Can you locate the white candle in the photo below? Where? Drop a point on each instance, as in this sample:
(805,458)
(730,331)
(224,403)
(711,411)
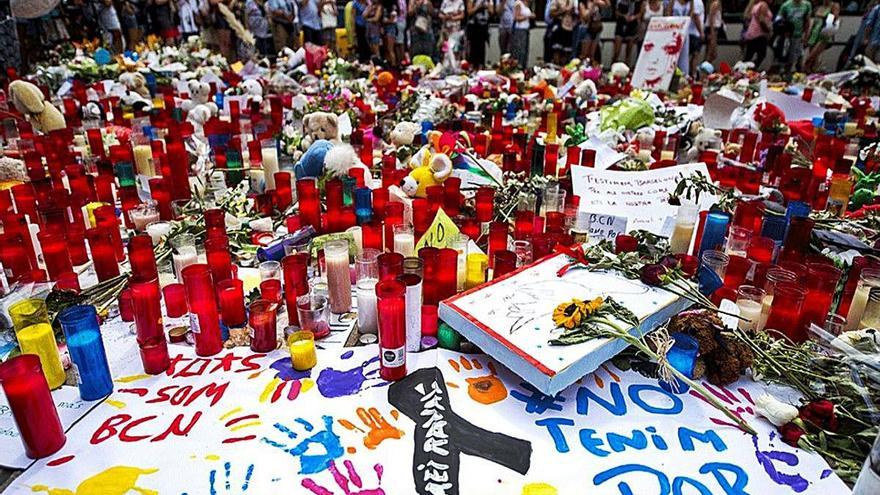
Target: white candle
(857,307)
(338,276)
(367,313)
(141,217)
(413,301)
(157,230)
(270,165)
(765,310)
(750,310)
(187,256)
(404,243)
(358,235)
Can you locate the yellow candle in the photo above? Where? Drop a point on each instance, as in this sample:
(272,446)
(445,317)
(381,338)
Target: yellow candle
(143,160)
(476,270)
(551,128)
(40,340)
(302,350)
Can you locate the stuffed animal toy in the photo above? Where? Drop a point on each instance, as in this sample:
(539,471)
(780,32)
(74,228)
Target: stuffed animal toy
(311,164)
(437,169)
(706,139)
(199,108)
(619,70)
(320,125)
(253,90)
(135,82)
(585,90)
(404,133)
(29,100)
(341,158)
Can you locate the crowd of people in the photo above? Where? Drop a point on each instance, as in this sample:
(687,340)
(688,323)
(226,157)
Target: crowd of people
(393,32)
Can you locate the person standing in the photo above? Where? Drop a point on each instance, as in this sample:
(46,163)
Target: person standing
(522,21)
(478,12)
(258,25)
(626,28)
(757,34)
(563,13)
(421,31)
(187,11)
(109,22)
(866,27)
(128,17)
(650,9)
(400,39)
(373,17)
(505,24)
(162,19)
(451,15)
(826,23)
(360,30)
(714,30)
(283,14)
(796,14)
(329,20)
(389,30)
(310,22)
(695,10)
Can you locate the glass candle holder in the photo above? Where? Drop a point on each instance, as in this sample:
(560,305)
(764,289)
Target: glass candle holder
(295,268)
(201,299)
(314,314)
(821,285)
(738,240)
(834,324)
(230,294)
(366,265)
(366,305)
(785,311)
(413,301)
(183,253)
(141,257)
(371,235)
(447,273)
(761,249)
(738,268)
(302,350)
(55,254)
(103,257)
(390,265)
(868,279)
(477,263)
(523,251)
(404,239)
(685,221)
(33,409)
(144,214)
(485,204)
(175,300)
(83,335)
(497,237)
(30,319)
(149,326)
(219,258)
(750,301)
(338,275)
(264,327)
(714,231)
(391,310)
(505,262)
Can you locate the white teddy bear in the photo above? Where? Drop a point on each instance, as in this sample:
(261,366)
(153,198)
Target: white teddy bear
(199,107)
(253,90)
(619,70)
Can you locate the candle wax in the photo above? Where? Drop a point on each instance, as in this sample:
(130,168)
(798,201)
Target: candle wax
(366,306)
(303,355)
(680,241)
(87,352)
(338,282)
(39,339)
(750,310)
(270,166)
(857,307)
(143,159)
(186,257)
(765,311)
(404,243)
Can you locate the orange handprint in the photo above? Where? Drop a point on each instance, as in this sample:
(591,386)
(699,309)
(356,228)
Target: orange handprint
(378,428)
(485,389)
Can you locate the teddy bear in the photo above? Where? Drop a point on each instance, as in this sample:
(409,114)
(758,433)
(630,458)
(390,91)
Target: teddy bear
(311,163)
(320,125)
(585,90)
(253,90)
(29,100)
(199,107)
(619,70)
(404,133)
(136,83)
(706,139)
(434,170)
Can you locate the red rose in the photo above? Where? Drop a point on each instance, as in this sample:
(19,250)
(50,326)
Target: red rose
(652,275)
(625,244)
(669,261)
(820,413)
(689,264)
(791,433)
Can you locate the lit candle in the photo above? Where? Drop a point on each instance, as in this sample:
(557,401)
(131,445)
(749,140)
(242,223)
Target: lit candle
(366,305)
(302,350)
(749,300)
(404,240)
(183,253)
(338,275)
(270,162)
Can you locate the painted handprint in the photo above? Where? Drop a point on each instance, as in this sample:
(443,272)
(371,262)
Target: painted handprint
(225,486)
(344,481)
(116,480)
(288,382)
(340,383)
(736,404)
(330,448)
(486,388)
(378,429)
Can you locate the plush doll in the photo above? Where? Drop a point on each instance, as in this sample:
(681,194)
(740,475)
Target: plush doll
(705,139)
(619,70)
(341,158)
(320,125)
(253,90)
(404,133)
(585,90)
(436,169)
(199,108)
(135,82)
(311,164)
(29,100)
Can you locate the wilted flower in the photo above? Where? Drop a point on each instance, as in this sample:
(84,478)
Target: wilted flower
(652,275)
(791,433)
(774,410)
(820,413)
(570,314)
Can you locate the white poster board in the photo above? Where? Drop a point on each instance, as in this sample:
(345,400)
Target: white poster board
(665,40)
(640,196)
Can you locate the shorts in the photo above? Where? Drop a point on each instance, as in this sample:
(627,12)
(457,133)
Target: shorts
(374,34)
(390,30)
(400,39)
(626,30)
(695,43)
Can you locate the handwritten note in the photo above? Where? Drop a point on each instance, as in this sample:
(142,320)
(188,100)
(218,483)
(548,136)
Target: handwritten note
(641,197)
(441,232)
(606,227)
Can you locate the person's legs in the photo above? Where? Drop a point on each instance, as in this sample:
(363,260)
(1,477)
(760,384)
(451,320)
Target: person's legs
(363,50)
(504,35)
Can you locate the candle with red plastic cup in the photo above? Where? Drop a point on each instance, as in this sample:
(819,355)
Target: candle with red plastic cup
(572,156)
(141,257)
(200,298)
(797,238)
(215,222)
(421,216)
(55,254)
(103,256)
(761,249)
(452,196)
(105,217)
(175,300)
(230,293)
(393,216)
(391,311)
(309,205)
(371,234)
(264,325)
(485,204)
(737,269)
(430,257)
(218,257)
(147,309)
(270,290)
(821,284)
(380,199)
(785,311)
(497,238)
(624,244)
(523,224)
(504,262)
(447,273)
(390,265)
(295,272)
(160,192)
(32,407)
(551,158)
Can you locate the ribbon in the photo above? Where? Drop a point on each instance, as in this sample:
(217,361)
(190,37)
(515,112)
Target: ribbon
(576,254)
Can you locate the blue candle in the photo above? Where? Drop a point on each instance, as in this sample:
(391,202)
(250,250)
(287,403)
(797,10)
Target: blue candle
(80,326)
(682,356)
(363,204)
(774,228)
(797,209)
(714,232)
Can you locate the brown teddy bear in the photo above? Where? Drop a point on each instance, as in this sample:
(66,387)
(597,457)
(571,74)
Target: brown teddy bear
(320,125)
(29,100)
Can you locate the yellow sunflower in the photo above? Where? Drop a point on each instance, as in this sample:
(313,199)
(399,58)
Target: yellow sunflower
(571,314)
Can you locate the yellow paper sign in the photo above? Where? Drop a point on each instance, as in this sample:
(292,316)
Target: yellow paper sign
(441,232)
(236,67)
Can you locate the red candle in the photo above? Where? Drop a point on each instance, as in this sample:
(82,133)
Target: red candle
(429,320)
(366,152)
(505,262)
(270,290)
(380,199)
(391,310)
(218,257)
(371,234)
(737,269)
(295,273)
(105,217)
(430,264)
(146,304)
(785,311)
(485,204)
(141,257)
(32,407)
(309,205)
(551,157)
(264,326)
(103,257)
(452,196)
(435,198)
(175,300)
(447,273)
(821,284)
(497,238)
(393,216)
(470,227)
(200,298)
(160,192)
(421,216)
(761,249)
(797,238)
(283,192)
(588,157)
(390,265)
(215,222)
(55,254)
(555,222)
(178,162)
(230,293)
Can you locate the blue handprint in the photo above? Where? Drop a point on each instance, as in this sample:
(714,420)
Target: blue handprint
(339,383)
(227,484)
(310,463)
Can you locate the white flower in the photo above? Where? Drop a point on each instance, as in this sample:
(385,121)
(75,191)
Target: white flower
(776,411)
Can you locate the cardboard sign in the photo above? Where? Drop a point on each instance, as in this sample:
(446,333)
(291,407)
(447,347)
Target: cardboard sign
(665,40)
(642,197)
(606,227)
(440,234)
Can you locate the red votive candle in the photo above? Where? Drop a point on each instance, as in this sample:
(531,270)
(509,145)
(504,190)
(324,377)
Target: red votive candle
(33,410)
(470,227)
(390,265)
(430,320)
(264,326)
(105,217)
(785,311)
(588,157)
(295,271)
(430,263)
(76,244)
(797,238)
(55,254)
(200,298)
(162,195)
(485,204)
(380,199)
(497,238)
(215,222)
(270,290)
(141,257)
(309,205)
(218,257)
(452,196)
(761,249)
(391,310)
(821,284)
(126,310)
(551,158)
(283,191)
(555,222)
(230,293)
(146,303)
(393,216)
(421,216)
(505,262)
(523,224)
(103,256)
(625,244)
(447,273)
(371,234)
(737,269)
(175,300)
